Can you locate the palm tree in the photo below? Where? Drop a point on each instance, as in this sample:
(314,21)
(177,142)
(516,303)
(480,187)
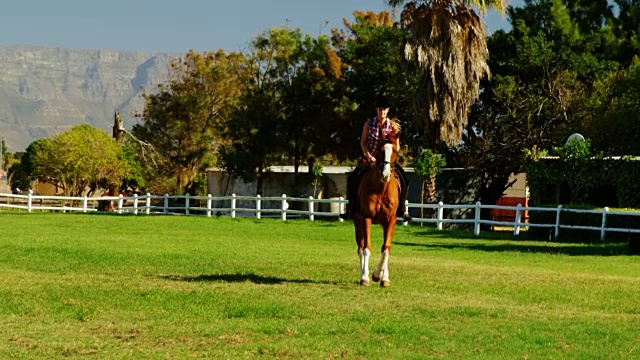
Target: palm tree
(449,48)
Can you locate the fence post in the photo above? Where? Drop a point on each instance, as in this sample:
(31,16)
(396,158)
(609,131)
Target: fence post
(340,209)
(208,205)
(440,215)
(84,203)
(166,204)
(406,211)
(516,225)
(148,204)
(476,224)
(186,204)
(557,232)
(30,201)
(135,204)
(233,206)
(311,208)
(284,207)
(604,222)
(120,203)
(258,206)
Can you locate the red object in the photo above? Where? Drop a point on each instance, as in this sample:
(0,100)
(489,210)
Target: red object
(510,215)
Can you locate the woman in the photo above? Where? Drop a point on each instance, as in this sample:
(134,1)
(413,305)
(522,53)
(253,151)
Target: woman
(374,131)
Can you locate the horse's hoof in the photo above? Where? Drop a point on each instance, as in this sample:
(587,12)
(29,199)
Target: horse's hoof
(364,282)
(375,277)
(385,283)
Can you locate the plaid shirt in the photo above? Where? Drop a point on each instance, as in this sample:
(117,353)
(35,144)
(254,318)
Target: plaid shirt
(377,132)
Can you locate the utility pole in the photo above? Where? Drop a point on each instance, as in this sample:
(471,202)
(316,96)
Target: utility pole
(118,134)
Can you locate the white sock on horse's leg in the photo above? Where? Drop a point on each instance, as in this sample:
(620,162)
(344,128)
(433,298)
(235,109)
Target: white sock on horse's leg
(384,265)
(364,263)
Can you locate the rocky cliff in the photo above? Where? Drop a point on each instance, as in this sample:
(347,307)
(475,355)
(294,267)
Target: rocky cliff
(44,91)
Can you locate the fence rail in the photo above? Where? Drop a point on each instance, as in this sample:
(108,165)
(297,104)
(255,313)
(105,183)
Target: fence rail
(161,204)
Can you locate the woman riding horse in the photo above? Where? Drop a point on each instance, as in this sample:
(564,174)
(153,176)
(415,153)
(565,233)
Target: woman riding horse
(374,131)
(377,190)
(379,201)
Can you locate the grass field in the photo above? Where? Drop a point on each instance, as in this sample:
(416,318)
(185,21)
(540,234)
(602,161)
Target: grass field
(175,287)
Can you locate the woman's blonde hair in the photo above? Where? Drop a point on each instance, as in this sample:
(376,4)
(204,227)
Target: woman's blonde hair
(395,123)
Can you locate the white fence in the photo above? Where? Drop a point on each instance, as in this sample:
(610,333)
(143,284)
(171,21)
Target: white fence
(153,204)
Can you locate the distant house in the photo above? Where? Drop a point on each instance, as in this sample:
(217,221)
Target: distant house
(46,189)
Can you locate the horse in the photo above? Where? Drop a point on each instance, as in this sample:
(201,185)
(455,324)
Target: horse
(379,199)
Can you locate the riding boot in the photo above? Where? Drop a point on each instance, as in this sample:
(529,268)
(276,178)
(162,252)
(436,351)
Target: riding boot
(353,181)
(348,214)
(402,210)
(350,208)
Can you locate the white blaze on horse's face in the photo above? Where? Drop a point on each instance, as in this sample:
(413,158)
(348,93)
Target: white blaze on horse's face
(386,171)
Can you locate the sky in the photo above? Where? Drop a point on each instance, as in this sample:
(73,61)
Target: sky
(155,26)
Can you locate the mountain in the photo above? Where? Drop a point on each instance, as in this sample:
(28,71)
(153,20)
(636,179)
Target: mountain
(45,90)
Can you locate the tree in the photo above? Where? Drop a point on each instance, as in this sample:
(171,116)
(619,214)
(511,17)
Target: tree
(253,135)
(16,175)
(427,165)
(612,119)
(183,120)
(7,157)
(253,128)
(290,106)
(308,84)
(370,50)
(30,168)
(448,49)
(543,73)
(80,160)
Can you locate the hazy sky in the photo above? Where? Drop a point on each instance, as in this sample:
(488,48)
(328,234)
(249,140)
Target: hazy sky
(173,26)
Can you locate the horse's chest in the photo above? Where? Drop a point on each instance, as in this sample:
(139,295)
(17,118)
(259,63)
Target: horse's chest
(378,204)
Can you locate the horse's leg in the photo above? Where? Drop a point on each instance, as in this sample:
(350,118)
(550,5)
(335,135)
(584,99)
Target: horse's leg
(364,249)
(381,272)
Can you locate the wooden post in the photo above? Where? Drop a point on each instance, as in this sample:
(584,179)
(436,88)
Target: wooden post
(476,224)
(258,206)
(516,225)
(440,214)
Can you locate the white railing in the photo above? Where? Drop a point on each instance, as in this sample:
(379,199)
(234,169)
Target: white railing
(154,204)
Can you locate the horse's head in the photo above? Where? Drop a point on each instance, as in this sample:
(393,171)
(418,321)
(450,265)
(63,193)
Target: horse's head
(389,156)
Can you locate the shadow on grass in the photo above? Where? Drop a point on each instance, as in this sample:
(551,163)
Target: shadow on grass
(614,249)
(468,234)
(240,278)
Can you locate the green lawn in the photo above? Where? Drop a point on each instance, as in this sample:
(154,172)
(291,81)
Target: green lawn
(175,287)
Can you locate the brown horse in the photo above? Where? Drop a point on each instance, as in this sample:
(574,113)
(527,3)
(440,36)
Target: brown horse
(379,198)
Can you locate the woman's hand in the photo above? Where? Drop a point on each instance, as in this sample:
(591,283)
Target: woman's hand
(371,159)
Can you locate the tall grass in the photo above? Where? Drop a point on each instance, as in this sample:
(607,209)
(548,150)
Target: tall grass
(154,287)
